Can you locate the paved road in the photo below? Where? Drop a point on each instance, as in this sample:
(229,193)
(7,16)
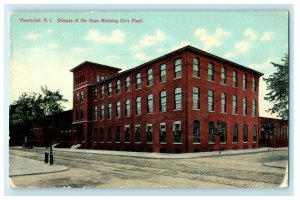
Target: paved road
(92,170)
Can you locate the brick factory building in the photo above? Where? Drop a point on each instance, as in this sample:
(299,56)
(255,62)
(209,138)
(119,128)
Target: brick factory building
(171,104)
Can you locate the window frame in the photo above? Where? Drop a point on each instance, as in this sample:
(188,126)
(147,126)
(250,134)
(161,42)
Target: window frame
(178,98)
(178,68)
(211,101)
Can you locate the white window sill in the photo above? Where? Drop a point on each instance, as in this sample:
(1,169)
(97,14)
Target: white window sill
(149,142)
(127,142)
(212,111)
(210,81)
(196,143)
(163,143)
(197,77)
(225,113)
(117,142)
(196,109)
(177,109)
(137,142)
(211,143)
(177,143)
(177,78)
(234,114)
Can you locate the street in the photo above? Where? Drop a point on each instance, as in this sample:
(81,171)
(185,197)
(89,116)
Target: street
(253,170)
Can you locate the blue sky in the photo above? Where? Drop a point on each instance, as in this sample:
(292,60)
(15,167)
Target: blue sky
(43,53)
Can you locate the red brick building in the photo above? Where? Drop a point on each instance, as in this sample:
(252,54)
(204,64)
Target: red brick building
(170,104)
(273,132)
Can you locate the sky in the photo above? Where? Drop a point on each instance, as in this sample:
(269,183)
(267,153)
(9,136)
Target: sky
(43,52)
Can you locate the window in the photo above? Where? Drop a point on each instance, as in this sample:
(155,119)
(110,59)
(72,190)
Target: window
(177,70)
(196,103)
(138,106)
(235,133)
(150,103)
(253,107)
(127,85)
(245,133)
(163,73)
(137,133)
(210,72)
(77,114)
(223,75)
(118,88)
(254,131)
(211,101)
(223,138)
(77,98)
(95,113)
(127,107)
(118,130)
(254,84)
(81,113)
(177,131)
(95,134)
(244,106)
(211,132)
(98,79)
(163,133)
(138,81)
(95,93)
(109,113)
(196,67)
(101,134)
(281,132)
(109,134)
(234,79)
(163,101)
(196,125)
(149,133)
(102,111)
(149,77)
(102,91)
(244,81)
(118,109)
(109,89)
(223,102)
(234,104)
(81,96)
(127,133)
(177,99)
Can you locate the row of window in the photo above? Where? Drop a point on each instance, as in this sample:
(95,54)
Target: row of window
(80,80)
(177,74)
(177,104)
(177,133)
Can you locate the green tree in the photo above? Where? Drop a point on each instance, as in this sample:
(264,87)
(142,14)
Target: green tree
(37,108)
(220,131)
(278,89)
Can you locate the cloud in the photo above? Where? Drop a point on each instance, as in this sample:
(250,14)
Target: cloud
(33,36)
(52,46)
(265,66)
(210,40)
(250,34)
(267,36)
(242,46)
(117,36)
(141,56)
(150,40)
(49,31)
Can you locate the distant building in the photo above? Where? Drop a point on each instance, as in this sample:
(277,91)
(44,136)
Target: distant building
(273,132)
(170,104)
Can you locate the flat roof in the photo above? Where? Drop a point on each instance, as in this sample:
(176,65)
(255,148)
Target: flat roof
(188,47)
(95,64)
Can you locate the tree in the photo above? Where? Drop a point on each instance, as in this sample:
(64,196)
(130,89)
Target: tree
(278,87)
(35,108)
(220,131)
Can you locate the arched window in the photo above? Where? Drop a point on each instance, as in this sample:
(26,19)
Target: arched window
(138,106)
(234,104)
(196,125)
(163,132)
(150,77)
(138,81)
(234,79)
(235,133)
(244,81)
(177,68)
(245,133)
(163,101)
(223,75)
(163,73)
(196,104)
(118,88)
(244,106)
(211,133)
(196,72)
(177,99)
(211,72)
(254,133)
(223,102)
(223,138)
(254,107)
(211,101)
(150,103)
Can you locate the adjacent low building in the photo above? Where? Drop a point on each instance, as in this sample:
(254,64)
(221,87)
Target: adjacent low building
(170,104)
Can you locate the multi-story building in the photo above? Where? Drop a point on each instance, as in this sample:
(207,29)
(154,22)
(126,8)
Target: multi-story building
(170,104)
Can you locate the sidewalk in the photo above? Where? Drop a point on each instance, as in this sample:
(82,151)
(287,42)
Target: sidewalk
(169,156)
(24,166)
